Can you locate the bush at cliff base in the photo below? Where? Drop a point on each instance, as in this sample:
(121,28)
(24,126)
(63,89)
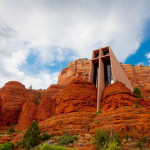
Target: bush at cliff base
(32,136)
(45,136)
(137,92)
(107,140)
(52,147)
(7,146)
(66,139)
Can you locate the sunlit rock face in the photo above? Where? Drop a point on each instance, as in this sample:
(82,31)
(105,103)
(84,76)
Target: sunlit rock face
(77,96)
(139,77)
(79,68)
(13,96)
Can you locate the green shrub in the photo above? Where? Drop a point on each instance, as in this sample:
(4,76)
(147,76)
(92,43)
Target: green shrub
(32,136)
(45,136)
(139,144)
(38,96)
(86,74)
(52,147)
(66,139)
(18,144)
(11,129)
(126,136)
(144,140)
(137,92)
(46,147)
(8,123)
(73,148)
(104,140)
(113,145)
(7,146)
(100,138)
(136,104)
(97,122)
(98,112)
(36,101)
(125,107)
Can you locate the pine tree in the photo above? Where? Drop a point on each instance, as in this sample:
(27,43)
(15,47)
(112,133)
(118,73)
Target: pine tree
(32,136)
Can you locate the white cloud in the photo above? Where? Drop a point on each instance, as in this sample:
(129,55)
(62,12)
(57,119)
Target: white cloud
(52,27)
(147,55)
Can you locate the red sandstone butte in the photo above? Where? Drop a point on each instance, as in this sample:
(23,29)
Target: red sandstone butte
(77,96)
(13,95)
(44,110)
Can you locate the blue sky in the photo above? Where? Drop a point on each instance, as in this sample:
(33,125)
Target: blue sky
(140,57)
(38,38)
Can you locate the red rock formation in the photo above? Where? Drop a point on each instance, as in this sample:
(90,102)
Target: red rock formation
(39,112)
(18,105)
(117,95)
(79,68)
(27,115)
(77,96)
(119,112)
(139,77)
(75,122)
(13,97)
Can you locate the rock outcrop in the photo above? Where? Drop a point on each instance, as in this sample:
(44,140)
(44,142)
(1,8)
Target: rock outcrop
(43,106)
(77,96)
(73,123)
(79,68)
(123,111)
(13,96)
(21,106)
(139,77)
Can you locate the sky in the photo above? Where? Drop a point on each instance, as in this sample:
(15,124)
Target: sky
(38,38)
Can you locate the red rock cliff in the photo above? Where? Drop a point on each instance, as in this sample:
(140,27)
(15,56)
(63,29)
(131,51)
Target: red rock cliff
(13,96)
(78,68)
(77,96)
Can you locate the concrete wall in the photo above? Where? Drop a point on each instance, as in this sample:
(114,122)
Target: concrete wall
(117,71)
